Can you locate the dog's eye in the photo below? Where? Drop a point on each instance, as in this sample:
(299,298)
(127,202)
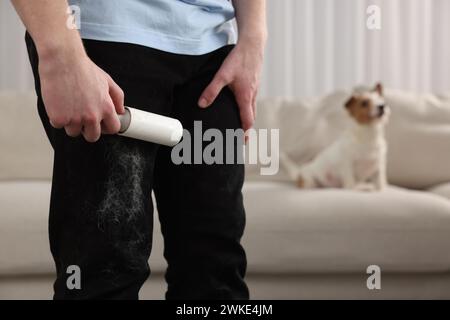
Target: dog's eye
(365,103)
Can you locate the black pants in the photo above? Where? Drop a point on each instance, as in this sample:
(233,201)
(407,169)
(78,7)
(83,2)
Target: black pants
(101,213)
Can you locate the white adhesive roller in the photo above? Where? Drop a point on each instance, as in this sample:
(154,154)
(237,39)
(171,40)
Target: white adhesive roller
(151,127)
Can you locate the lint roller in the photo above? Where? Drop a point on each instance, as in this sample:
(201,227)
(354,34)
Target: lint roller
(150,127)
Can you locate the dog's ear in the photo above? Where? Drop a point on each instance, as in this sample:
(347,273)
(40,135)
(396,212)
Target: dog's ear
(350,102)
(379,89)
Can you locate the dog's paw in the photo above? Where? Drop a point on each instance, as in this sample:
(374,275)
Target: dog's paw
(300,182)
(380,186)
(365,187)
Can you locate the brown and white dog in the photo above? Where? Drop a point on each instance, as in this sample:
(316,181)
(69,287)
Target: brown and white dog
(357,159)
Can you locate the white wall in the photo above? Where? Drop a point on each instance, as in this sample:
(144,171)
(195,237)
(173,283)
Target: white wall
(316,46)
(15,73)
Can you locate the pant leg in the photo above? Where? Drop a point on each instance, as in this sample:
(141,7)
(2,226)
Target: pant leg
(101,217)
(101,211)
(200,206)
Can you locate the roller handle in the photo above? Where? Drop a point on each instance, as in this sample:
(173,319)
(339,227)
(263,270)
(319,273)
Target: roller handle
(125,120)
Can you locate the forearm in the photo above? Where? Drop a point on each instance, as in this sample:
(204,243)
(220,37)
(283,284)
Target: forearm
(46,21)
(251,21)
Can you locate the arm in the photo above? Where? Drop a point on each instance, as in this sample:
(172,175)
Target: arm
(78,95)
(242,68)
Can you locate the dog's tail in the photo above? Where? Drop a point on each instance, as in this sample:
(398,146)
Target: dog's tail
(292,169)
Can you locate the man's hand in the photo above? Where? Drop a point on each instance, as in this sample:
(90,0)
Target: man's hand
(242,68)
(241,72)
(80,97)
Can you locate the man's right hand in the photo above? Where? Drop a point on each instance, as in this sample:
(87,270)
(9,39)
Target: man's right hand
(79,96)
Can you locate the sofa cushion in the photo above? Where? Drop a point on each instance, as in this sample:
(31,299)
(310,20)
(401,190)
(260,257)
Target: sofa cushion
(288,230)
(23,229)
(443,190)
(25,150)
(24,243)
(292,230)
(418,133)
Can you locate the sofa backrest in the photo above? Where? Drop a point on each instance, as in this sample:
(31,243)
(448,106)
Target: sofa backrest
(418,133)
(419,139)
(25,152)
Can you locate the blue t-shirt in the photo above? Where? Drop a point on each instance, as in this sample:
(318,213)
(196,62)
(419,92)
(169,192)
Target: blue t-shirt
(179,26)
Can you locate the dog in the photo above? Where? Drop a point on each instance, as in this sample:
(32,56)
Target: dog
(357,159)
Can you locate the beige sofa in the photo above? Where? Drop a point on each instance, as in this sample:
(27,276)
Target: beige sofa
(300,244)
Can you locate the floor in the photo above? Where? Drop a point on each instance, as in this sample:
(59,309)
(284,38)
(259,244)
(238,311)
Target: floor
(40,288)
(271,287)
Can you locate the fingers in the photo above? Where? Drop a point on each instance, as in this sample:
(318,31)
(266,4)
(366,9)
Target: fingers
(245,111)
(91,130)
(103,119)
(246,118)
(74,129)
(58,122)
(254,104)
(117,95)
(94,107)
(212,91)
(110,123)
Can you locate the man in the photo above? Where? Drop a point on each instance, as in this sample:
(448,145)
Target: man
(165,56)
